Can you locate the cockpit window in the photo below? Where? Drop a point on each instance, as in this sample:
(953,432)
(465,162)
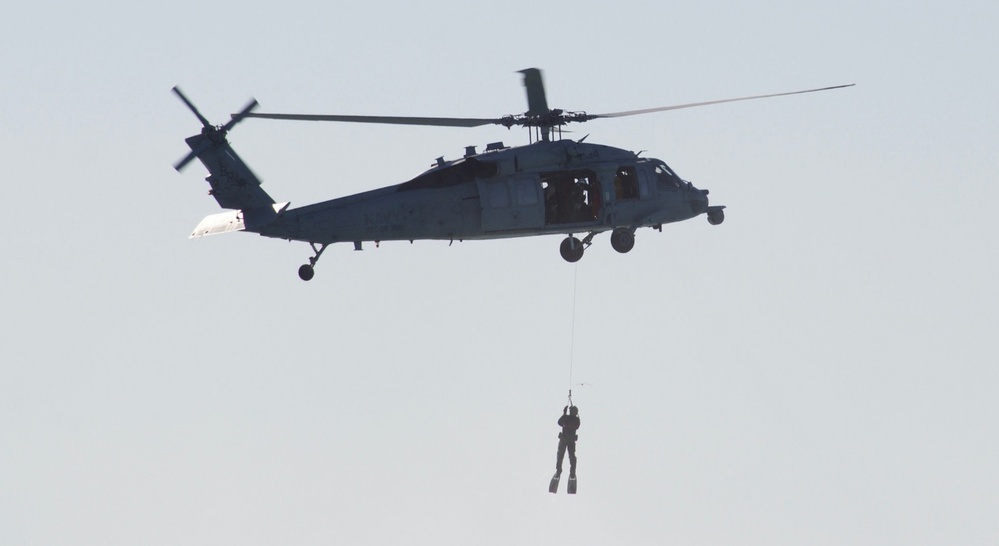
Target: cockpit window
(666,178)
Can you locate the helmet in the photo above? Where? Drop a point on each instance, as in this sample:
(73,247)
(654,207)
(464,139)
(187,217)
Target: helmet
(573,410)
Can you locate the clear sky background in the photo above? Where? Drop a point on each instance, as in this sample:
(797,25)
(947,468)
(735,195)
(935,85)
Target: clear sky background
(820,369)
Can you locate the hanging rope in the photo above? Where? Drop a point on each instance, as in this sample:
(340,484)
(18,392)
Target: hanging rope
(572,339)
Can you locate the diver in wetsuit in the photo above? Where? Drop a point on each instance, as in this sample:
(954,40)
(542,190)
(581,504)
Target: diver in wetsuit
(567,439)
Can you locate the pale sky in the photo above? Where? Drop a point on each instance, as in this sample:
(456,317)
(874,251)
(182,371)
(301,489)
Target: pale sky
(820,369)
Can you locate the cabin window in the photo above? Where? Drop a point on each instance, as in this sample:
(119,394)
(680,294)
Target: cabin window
(626,183)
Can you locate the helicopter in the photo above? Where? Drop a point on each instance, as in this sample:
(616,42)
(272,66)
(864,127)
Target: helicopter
(550,186)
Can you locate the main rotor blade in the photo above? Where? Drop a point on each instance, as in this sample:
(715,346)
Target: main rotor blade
(179,93)
(537,103)
(693,104)
(393,120)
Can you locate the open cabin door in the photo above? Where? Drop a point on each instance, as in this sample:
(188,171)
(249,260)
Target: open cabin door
(512,202)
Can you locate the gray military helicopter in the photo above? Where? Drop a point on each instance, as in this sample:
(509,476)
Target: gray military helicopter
(547,187)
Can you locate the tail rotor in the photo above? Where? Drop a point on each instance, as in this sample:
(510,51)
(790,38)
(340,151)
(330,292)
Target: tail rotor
(214,134)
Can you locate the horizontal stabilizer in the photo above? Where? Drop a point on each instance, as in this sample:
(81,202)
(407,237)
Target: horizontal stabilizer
(224,222)
(238,220)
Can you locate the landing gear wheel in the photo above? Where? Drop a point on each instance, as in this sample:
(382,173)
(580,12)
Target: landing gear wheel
(623,240)
(307,271)
(571,249)
(716,217)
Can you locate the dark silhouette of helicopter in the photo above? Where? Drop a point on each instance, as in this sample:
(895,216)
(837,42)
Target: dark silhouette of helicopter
(549,186)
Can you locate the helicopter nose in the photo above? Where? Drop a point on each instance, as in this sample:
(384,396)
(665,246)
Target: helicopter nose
(698,201)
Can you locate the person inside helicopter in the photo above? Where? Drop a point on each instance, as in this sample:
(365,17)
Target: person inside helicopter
(569,197)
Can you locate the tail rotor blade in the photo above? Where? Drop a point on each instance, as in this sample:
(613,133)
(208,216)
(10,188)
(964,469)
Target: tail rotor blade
(190,105)
(179,166)
(236,118)
(191,156)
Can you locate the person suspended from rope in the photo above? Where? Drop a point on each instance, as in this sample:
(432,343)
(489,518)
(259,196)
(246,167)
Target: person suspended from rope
(569,421)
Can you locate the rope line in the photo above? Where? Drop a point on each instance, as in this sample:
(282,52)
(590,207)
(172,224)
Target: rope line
(572,339)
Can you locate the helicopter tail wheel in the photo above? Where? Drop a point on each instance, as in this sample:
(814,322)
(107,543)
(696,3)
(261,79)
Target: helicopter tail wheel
(307,271)
(716,216)
(571,249)
(623,240)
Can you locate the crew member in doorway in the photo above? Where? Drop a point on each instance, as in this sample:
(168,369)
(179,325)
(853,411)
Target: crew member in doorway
(567,439)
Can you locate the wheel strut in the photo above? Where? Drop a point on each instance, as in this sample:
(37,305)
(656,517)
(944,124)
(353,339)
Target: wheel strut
(307,271)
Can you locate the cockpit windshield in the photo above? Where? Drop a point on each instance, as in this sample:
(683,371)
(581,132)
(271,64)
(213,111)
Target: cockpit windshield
(666,178)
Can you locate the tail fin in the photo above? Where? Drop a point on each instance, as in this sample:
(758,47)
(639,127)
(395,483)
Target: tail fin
(233,184)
